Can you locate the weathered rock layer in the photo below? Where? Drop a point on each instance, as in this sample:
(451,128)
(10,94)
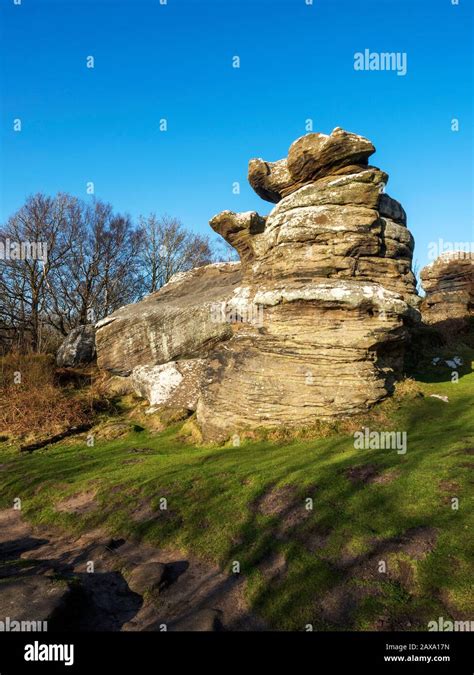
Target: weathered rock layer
(78,348)
(176,322)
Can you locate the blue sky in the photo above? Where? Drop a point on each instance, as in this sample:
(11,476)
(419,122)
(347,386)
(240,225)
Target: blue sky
(174,61)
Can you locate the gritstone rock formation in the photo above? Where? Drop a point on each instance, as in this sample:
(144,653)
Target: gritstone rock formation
(176,383)
(78,348)
(449,286)
(313,322)
(330,268)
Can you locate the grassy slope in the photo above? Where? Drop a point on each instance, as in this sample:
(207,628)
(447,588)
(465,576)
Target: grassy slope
(212,493)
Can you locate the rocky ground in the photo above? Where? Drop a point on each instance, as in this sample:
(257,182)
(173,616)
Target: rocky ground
(46,576)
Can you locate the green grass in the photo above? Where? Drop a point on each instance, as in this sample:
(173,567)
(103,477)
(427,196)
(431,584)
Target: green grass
(212,494)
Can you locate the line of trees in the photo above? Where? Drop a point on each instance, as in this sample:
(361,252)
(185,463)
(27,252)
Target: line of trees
(96,261)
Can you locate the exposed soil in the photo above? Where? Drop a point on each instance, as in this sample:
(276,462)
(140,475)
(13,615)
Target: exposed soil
(144,512)
(285,506)
(314,539)
(450,486)
(386,477)
(142,451)
(82,502)
(361,576)
(276,501)
(366,473)
(273,566)
(450,489)
(290,513)
(371,474)
(93,582)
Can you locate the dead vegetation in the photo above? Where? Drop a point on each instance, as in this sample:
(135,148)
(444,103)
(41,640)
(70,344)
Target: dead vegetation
(38,400)
(31,401)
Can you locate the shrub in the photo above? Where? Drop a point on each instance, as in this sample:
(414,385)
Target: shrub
(31,400)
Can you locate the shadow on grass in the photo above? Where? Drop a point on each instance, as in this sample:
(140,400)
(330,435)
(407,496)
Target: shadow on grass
(213,492)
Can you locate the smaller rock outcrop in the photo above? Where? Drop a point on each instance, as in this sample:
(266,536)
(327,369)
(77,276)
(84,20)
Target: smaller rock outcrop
(449,286)
(78,348)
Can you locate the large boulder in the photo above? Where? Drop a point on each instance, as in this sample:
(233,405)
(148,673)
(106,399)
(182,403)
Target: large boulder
(78,348)
(309,157)
(176,322)
(314,321)
(33,598)
(316,155)
(449,286)
(328,272)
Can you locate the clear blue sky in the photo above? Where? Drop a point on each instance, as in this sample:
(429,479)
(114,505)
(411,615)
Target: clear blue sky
(174,61)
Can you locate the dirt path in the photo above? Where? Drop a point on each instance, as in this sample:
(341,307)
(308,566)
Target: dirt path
(92,582)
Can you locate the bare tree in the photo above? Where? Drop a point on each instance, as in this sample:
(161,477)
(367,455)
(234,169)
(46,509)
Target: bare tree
(169,248)
(102,271)
(35,244)
(94,261)
(88,267)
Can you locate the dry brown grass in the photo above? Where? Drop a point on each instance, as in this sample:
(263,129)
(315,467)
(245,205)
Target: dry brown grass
(407,388)
(32,401)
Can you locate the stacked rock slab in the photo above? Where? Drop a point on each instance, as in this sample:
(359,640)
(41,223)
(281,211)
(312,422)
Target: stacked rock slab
(175,322)
(328,274)
(449,286)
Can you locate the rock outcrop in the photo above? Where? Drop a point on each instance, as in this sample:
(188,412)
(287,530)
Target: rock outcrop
(78,348)
(313,323)
(449,286)
(330,271)
(176,322)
